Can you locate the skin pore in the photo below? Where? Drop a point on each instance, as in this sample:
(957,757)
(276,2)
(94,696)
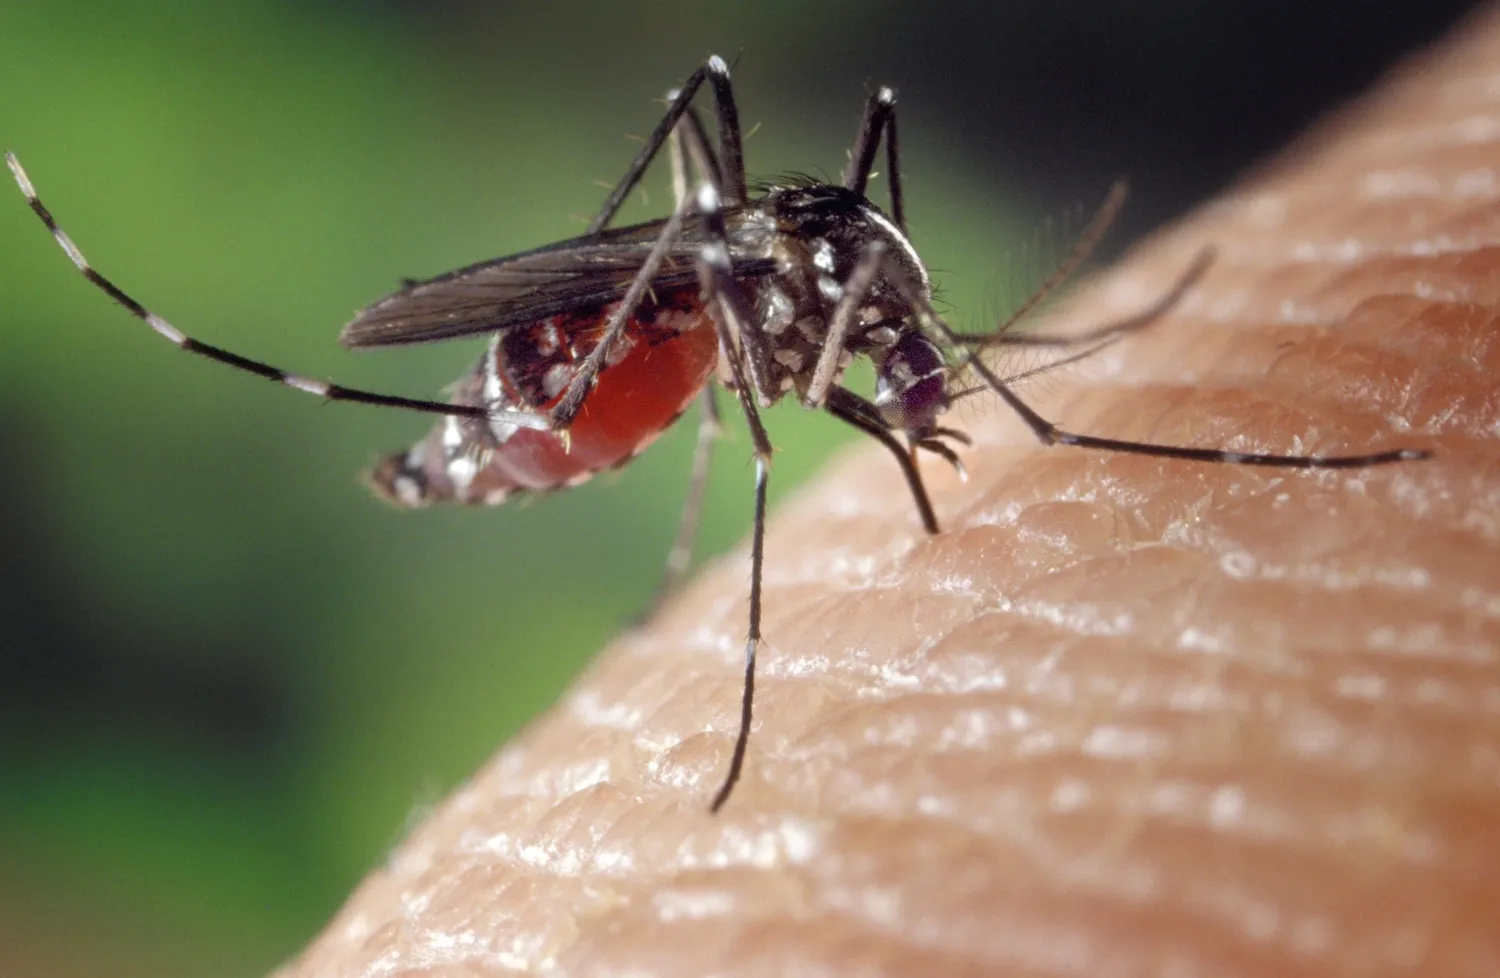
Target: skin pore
(1126,716)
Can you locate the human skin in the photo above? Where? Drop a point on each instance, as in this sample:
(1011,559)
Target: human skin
(1125,716)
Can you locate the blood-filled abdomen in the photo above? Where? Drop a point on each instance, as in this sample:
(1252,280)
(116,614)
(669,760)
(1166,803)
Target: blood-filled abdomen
(655,370)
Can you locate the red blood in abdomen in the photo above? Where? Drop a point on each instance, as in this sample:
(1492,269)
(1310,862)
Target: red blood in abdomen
(664,358)
(634,400)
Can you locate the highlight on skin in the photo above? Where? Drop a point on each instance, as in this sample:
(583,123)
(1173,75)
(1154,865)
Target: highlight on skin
(1127,714)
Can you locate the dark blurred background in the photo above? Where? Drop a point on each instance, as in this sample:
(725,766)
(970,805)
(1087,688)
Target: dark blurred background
(228,678)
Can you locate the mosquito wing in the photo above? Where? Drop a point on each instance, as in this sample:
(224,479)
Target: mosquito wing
(568,276)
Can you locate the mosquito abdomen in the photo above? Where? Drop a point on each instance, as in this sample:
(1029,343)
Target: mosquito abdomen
(666,357)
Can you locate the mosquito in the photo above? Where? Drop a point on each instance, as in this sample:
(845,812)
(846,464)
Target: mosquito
(597,344)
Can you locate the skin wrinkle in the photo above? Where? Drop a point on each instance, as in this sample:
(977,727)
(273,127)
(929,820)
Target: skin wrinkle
(1128,716)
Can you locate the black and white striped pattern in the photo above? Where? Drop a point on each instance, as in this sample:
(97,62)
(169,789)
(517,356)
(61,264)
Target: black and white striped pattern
(179,339)
(1050,434)
(746,344)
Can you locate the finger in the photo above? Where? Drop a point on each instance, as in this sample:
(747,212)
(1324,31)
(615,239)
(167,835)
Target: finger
(1128,715)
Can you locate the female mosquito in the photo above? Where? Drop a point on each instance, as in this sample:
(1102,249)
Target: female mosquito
(598,343)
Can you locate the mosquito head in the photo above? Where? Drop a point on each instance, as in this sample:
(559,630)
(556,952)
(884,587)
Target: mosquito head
(911,388)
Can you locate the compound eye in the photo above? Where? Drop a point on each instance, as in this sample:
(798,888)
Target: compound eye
(911,385)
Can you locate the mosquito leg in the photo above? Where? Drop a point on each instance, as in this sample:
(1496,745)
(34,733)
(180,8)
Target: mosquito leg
(880,114)
(713,197)
(730,156)
(878,108)
(855,290)
(752,641)
(762,443)
(687,134)
(170,333)
(732,320)
(572,400)
(731,151)
(678,162)
(893,172)
(757,575)
(689,143)
(730,315)
(1140,320)
(680,556)
(695,138)
(854,410)
(1050,434)
(751,339)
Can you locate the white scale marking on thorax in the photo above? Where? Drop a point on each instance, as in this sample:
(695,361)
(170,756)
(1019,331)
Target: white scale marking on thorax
(900,239)
(823,255)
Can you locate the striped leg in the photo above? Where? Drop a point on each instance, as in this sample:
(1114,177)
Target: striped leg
(179,339)
(725,174)
(879,118)
(1050,434)
(730,156)
(690,142)
(738,340)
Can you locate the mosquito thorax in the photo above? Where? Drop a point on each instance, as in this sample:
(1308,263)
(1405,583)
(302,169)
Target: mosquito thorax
(819,233)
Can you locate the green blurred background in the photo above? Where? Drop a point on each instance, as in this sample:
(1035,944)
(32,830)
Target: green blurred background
(228,678)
